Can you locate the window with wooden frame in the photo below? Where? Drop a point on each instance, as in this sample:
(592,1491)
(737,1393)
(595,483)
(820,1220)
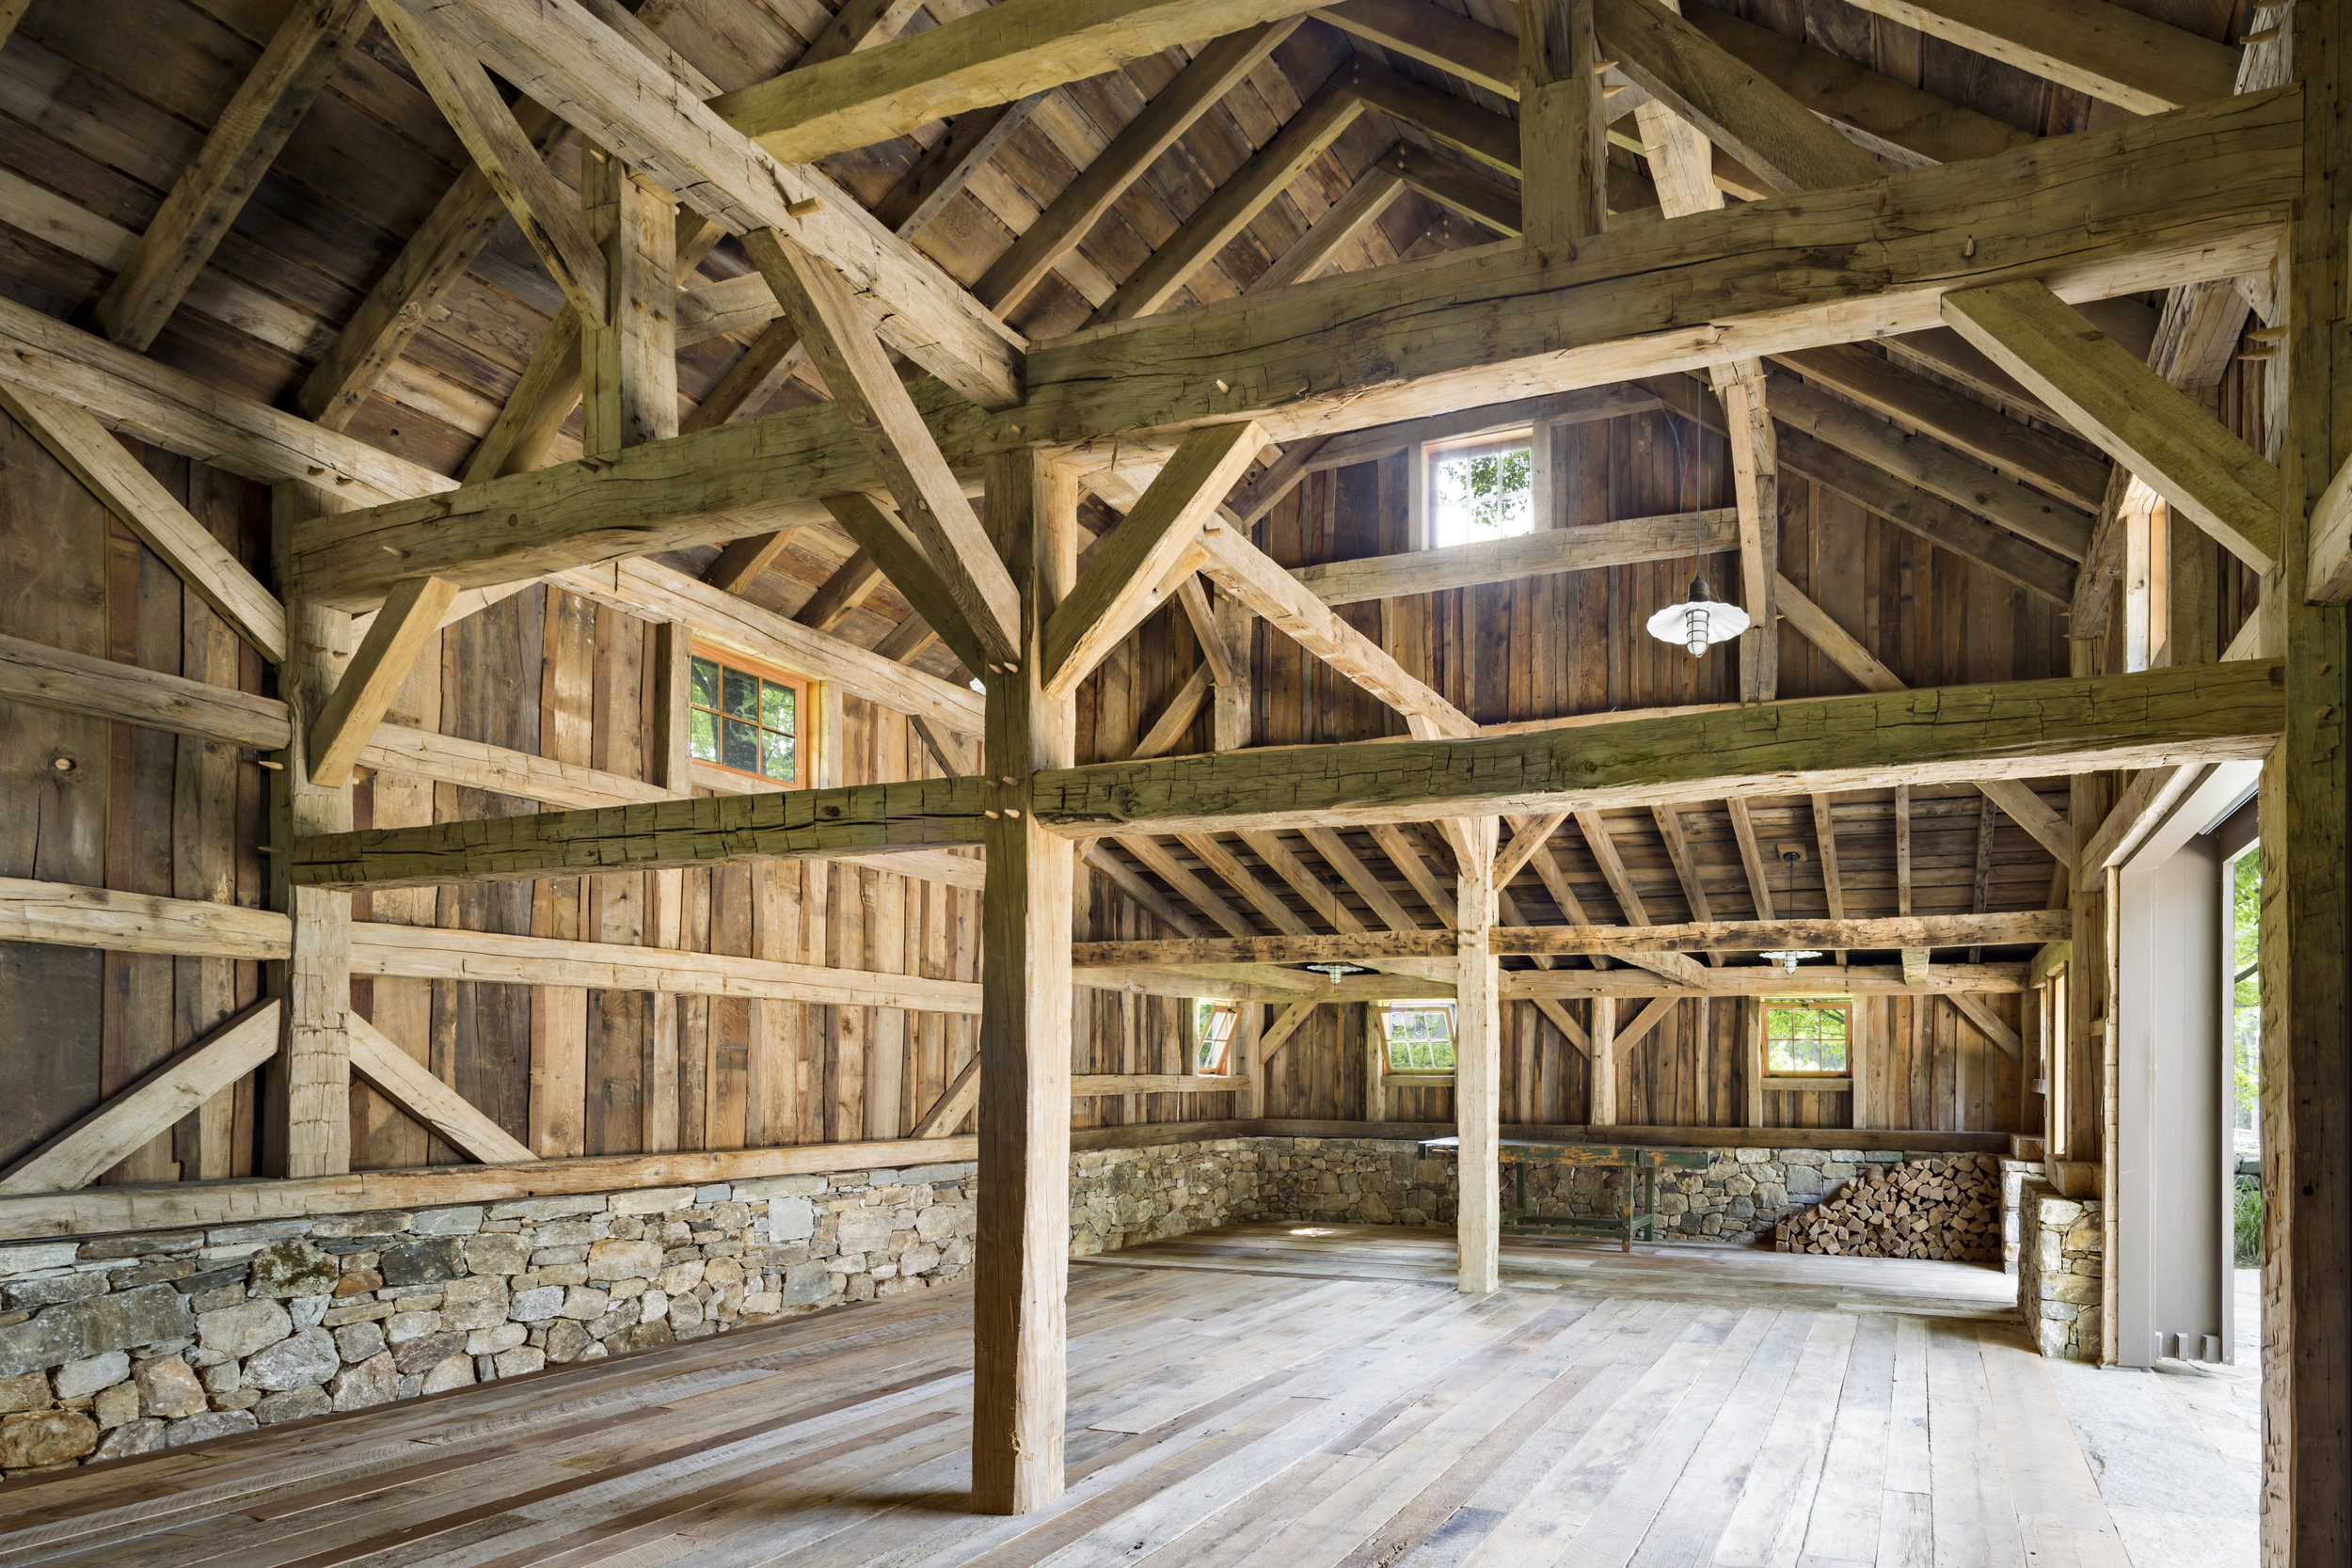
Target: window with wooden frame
(1419,1037)
(1479,488)
(752,718)
(1212,1026)
(1808,1039)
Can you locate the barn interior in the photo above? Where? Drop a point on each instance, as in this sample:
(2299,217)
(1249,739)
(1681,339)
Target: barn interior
(1396,781)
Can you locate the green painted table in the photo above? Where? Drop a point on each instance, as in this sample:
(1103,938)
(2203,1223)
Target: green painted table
(1643,1160)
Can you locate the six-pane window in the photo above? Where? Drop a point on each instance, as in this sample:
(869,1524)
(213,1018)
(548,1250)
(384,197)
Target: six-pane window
(750,718)
(1808,1036)
(1418,1035)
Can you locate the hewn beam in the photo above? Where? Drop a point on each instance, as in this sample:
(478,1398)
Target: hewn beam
(1212,73)
(1458,187)
(881,535)
(940,173)
(586,71)
(954,1102)
(1770,980)
(1302,139)
(122,484)
(2021,729)
(405,1081)
(243,143)
(76,683)
(542,206)
(395,640)
(2128,411)
(1339,226)
(1623,543)
(2095,47)
(58,914)
(1478,1063)
(1122,582)
(126,1123)
(1990,1023)
(991,56)
(842,345)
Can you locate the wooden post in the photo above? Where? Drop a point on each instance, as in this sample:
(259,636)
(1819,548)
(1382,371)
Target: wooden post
(307,1092)
(628,360)
(670,757)
(1376,1059)
(1478,1064)
(1564,140)
(2088,796)
(2306,930)
(1752,1062)
(1021,1267)
(1602,1110)
(1230,719)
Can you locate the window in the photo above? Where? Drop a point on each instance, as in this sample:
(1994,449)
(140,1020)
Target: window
(1482,489)
(1806,1038)
(748,718)
(1212,1024)
(1418,1035)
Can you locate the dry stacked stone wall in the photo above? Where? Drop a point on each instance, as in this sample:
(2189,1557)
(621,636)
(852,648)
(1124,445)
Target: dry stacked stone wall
(2060,1269)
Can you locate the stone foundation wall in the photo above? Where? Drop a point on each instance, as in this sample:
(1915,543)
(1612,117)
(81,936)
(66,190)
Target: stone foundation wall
(117,1345)
(2060,1265)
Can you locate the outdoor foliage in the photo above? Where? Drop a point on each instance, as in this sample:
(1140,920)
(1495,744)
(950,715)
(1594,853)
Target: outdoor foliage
(1492,493)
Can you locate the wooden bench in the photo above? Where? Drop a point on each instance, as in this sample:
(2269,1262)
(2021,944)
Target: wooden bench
(1636,1160)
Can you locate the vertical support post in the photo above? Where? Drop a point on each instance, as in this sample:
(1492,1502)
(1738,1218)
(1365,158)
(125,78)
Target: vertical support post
(1229,721)
(628,361)
(1756,487)
(1376,1061)
(1564,136)
(2088,796)
(307,1093)
(2306,926)
(1602,1108)
(1478,1062)
(1022,1259)
(1751,1062)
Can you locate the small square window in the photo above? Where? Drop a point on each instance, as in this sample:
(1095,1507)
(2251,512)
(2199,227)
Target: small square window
(1418,1035)
(1212,1024)
(1808,1039)
(1482,490)
(747,718)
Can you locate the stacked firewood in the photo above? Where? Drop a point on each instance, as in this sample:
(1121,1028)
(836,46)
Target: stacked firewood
(1948,1208)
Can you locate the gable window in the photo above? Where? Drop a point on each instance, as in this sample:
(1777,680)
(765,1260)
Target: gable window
(1419,1036)
(1808,1039)
(1482,489)
(751,718)
(1212,1024)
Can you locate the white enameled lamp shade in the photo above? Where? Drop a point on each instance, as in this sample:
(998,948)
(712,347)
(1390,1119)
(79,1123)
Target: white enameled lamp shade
(1698,621)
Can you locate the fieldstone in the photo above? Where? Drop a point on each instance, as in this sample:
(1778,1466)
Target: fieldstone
(212,1424)
(417,1355)
(401,1327)
(476,1302)
(34,1294)
(310,1357)
(566,1340)
(535,1305)
(549,1208)
(584,1302)
(131,1437)
(424,1263)
(520,1359)
(374,1381)
(357,1342)
(454,1372)
(498,1253)
(765,1187)
(491,1341)
(245,1328)
(237,1398)
(77,1378)
(169,1390)
(921,1260)
(612,1260)
(117,1407)
(294,1404)
(448,1222)
(358,1282)
(652,1305)
(39,1255)
(45,1438)
(791,1219)
(294,1268)
(863,1231)
(807,1284)
(678,1278)
(24,1391)
(78,1330)
(685,1313)
(652,1201)
(308,1311)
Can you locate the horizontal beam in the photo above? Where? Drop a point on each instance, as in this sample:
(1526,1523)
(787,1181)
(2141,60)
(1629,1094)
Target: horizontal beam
(43,676)
(1770,980)
(1952,735)
(1624,543)
(2027,928)
(804,824)
(59,914)
(1084,1086)
(432,953)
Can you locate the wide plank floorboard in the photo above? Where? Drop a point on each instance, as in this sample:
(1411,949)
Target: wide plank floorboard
(1289,1396)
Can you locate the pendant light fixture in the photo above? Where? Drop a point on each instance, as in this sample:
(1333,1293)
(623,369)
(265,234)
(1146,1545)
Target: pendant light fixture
(1788,957)
(1701,621)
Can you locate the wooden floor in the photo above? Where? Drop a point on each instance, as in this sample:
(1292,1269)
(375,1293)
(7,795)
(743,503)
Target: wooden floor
(1278,1395)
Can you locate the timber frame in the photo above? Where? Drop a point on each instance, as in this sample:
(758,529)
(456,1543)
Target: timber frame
(1826,275)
